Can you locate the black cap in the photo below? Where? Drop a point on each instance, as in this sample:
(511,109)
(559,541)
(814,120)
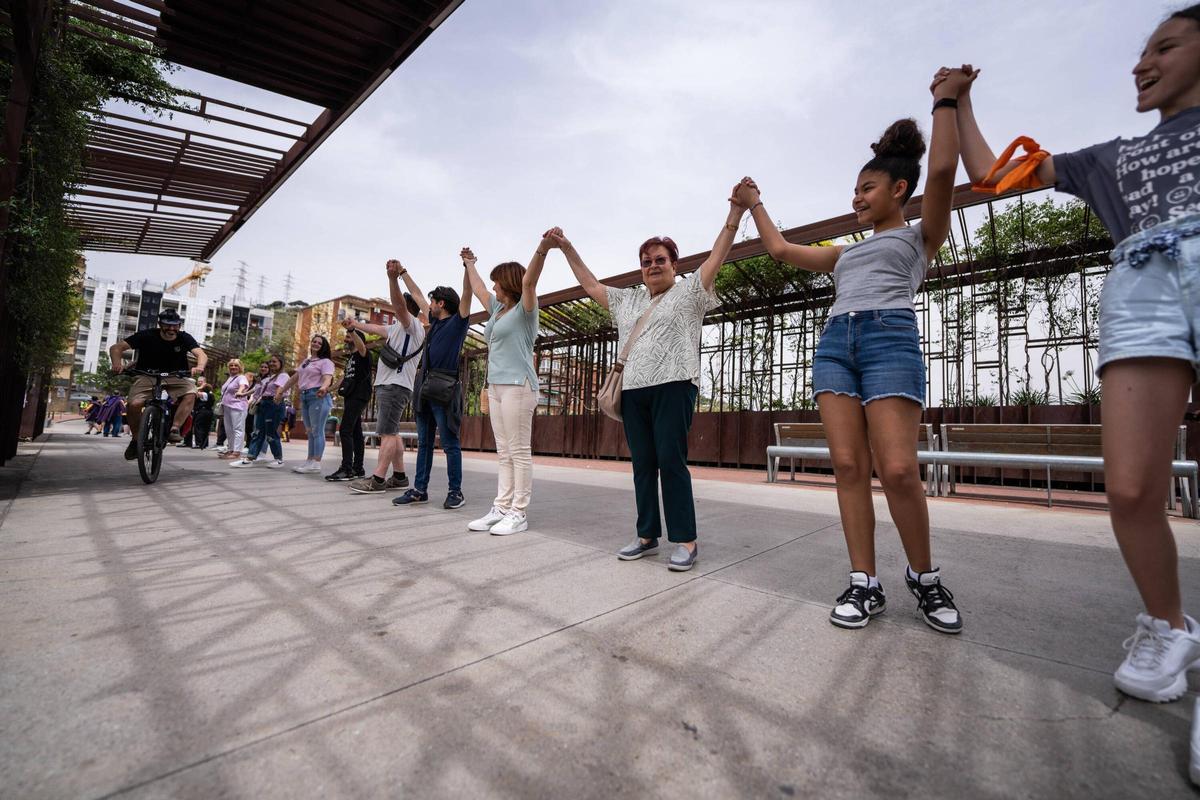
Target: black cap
(169,317)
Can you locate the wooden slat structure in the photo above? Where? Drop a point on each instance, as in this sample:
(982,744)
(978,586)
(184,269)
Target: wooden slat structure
(157,187)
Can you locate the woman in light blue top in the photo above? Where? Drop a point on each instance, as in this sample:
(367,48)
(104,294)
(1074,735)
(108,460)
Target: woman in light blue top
(512,380)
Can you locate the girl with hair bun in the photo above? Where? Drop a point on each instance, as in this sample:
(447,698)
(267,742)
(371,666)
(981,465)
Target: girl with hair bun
(1145,191)
(868,373)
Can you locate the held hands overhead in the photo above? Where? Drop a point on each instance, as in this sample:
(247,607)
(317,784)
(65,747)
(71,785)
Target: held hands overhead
(953,81)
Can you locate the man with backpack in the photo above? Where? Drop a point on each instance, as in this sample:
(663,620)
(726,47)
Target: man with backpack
(394,376)
(438,404)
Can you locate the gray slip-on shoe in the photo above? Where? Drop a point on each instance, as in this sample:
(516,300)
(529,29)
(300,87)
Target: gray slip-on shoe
(683,559)
(636,549)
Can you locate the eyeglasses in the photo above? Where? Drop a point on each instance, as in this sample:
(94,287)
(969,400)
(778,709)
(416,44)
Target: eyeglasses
(659,261)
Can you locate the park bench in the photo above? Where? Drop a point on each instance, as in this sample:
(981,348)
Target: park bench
(806,441)
(408,432)
(1049,447)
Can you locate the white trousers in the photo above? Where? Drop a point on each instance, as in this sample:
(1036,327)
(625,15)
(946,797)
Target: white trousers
(235,428)
(511,410)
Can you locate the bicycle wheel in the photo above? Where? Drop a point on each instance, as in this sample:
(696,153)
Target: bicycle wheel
(150,443)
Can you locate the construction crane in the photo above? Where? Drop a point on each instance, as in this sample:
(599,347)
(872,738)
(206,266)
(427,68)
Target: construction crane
(196,278)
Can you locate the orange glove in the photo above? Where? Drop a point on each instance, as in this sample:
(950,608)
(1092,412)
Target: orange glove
(1025,174)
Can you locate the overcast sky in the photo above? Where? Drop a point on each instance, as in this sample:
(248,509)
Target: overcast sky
(623,119)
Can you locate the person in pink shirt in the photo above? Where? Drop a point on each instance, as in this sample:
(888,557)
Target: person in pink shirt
(269,415)
(314,375)
(234,403)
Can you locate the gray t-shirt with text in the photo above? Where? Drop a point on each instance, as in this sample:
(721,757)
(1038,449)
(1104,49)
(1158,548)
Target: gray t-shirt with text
(1134,184)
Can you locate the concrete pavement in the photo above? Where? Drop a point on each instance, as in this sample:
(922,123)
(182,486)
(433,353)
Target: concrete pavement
(253,633)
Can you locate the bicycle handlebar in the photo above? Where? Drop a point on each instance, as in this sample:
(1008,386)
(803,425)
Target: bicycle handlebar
(178,373)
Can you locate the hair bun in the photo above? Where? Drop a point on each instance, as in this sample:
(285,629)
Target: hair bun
(902,139)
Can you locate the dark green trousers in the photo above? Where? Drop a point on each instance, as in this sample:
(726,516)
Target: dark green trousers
(657,419)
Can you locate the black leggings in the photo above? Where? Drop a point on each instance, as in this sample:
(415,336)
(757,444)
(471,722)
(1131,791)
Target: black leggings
(352,433)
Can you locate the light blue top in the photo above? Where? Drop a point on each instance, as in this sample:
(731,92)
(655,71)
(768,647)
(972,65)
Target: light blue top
(510,344)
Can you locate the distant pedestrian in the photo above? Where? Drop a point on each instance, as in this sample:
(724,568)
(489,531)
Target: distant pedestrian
(354,388)
(394,378)
(314,376)
(92,416)
(438,395)
(234,403)
(270,416)
(112,414)
(202,414)
(512,382)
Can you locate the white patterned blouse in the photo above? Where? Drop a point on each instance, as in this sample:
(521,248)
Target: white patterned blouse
(669,348)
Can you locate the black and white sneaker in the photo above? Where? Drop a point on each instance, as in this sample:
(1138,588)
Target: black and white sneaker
(454,500)
(341,474)
(859,603)
(935,601)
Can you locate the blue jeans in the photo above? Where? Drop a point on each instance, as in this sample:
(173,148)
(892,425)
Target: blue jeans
(315,411)
(113,426)
(266,429)
(431,422)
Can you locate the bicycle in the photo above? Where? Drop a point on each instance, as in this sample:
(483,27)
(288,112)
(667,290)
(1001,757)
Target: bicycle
(155,426)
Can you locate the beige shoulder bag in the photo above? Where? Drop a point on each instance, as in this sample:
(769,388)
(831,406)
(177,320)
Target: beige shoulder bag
(609,398)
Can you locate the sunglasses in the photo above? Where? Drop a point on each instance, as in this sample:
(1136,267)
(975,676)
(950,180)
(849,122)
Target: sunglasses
(658,261)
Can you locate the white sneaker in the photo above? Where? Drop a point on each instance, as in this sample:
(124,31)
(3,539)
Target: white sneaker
(308,467)
(514,522)
(486,522)
(1159,657)
(222,450)
(245,462)
(276,464)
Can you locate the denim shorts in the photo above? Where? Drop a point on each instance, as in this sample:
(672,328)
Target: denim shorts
(871,355)
(1150,306)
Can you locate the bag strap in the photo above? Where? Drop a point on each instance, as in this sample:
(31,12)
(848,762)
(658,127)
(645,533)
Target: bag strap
(638,327)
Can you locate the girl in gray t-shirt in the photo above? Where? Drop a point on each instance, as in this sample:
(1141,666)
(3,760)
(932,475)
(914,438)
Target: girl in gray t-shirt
(869,372)
(1145,191)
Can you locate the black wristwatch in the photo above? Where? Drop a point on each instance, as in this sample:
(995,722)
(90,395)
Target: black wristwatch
(946,102)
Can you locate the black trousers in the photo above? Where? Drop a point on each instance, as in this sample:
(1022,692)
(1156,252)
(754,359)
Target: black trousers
(220,430)
(657,420)
(201,424)
(352,433)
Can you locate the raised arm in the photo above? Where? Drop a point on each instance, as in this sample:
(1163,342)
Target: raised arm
(394,270)
(478,288)
(415,291)
(814,259)
(365,327)
(977,155)
(537,261)
(464,301)
(943,162)
(595,289)
(720,248)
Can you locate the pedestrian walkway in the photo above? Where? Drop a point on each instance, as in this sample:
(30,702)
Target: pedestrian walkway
(257,633)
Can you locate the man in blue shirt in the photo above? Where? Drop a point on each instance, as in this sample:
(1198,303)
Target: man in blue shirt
(438,394)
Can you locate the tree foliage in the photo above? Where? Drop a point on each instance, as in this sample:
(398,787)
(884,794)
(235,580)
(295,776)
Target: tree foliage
(76,76)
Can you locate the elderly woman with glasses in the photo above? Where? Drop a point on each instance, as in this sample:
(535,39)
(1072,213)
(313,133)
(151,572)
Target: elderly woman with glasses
(661,380)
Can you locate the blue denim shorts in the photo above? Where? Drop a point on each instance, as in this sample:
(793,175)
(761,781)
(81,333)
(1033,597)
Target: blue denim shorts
(871,355)
(1150,306)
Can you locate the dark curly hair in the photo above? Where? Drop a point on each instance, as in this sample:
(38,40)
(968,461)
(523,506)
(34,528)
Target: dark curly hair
(448,296)
(898,153)
(1190,12)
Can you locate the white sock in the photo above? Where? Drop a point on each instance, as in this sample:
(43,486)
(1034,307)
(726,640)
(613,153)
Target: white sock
(872,582)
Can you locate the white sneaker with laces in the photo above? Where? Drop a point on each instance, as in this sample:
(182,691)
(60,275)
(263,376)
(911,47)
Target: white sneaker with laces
(276,464)
(1159,657)
(514,522)
(245,462)
(222,450)
(307,466)
(486,522)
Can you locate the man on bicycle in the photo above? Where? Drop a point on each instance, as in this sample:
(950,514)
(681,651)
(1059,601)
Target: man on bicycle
(163,350)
